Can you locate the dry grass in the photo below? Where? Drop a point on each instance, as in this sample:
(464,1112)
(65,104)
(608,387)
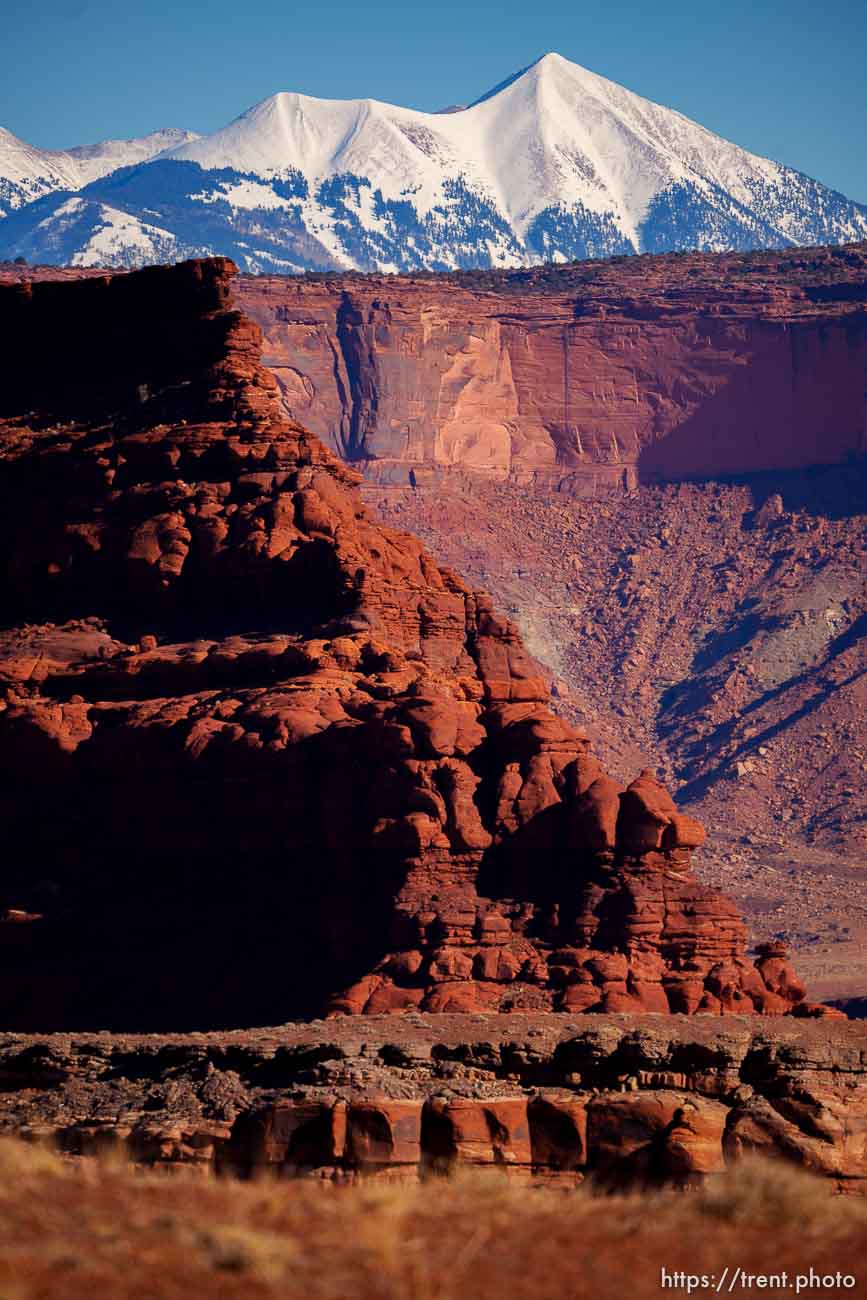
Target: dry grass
(103,1233)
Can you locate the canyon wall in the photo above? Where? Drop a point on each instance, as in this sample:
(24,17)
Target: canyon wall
(583,377)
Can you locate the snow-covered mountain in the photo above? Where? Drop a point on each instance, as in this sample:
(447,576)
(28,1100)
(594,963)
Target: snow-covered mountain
(28,173)
(555,163)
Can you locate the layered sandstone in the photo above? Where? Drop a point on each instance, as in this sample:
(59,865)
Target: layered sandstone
(621,1101)
(580,378)
(291,763)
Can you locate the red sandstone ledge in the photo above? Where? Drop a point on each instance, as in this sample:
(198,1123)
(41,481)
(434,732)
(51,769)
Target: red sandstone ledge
(622,1100)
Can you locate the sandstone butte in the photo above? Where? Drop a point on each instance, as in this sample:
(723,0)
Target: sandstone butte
(579,378)
(261,756)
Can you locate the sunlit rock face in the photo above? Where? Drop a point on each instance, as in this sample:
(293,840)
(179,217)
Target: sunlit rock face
(581,378)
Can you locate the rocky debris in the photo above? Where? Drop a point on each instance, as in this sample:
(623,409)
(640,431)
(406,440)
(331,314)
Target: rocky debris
(578,378)
(621,1100)
(731,654)
(294,763)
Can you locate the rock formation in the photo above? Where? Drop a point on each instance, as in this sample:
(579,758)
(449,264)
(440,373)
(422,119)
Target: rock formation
(553,1099)
(581,377)
(263,756)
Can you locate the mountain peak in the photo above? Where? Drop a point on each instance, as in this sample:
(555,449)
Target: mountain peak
(554,163)
(550,59)
(550,62)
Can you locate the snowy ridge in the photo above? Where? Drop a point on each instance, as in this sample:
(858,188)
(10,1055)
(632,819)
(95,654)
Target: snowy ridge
(555,163)
(28,173)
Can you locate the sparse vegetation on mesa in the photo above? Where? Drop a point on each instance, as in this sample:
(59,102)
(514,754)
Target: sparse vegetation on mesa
(685,269)
(90,1229)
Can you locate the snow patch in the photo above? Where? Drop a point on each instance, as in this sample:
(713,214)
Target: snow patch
(118,236)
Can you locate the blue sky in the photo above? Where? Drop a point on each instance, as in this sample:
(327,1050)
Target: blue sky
(783,79)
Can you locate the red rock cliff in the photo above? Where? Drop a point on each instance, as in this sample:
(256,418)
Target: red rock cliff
(596,374)
(262,755)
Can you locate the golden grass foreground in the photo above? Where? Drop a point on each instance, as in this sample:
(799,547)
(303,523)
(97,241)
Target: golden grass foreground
(102,1232)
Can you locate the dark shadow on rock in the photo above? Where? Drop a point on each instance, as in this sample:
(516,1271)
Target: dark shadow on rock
(788,418)
(174,902)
